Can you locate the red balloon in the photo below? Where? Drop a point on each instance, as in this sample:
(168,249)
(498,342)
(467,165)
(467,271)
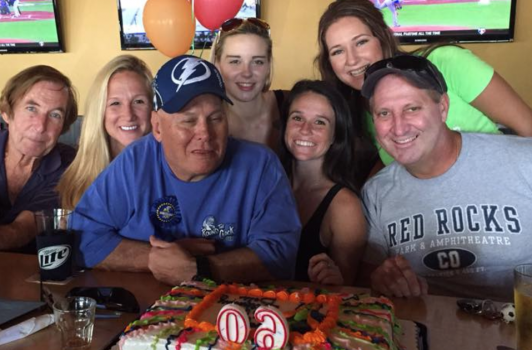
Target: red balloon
(169,25)
(212,13)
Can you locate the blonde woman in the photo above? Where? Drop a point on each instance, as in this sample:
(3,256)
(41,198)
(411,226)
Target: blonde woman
(242,53)
(117,112)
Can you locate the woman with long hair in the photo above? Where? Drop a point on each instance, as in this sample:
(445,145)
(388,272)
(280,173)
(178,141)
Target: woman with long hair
(242,52)
(352,35)
(317,150)
(117,112)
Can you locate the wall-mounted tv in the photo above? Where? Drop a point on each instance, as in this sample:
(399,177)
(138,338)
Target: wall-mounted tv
(425,21)
(30,26)
(133,36)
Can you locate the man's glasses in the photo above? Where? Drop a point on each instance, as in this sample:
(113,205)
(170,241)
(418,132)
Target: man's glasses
(235,23)
(419,65)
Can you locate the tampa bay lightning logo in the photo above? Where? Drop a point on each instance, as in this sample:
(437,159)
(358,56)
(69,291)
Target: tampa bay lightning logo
(186,71)
(190,70)
(165,215)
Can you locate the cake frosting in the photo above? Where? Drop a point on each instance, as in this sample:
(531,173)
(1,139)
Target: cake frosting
(188,317)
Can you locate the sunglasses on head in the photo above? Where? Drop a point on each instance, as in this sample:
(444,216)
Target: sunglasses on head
(235,23)
(410,63)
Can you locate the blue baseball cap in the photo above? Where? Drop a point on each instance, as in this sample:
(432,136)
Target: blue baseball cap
(183,78)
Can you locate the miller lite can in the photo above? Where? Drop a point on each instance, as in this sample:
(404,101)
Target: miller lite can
(55,255)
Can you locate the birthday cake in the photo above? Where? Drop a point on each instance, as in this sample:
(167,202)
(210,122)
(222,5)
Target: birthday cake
(205,316)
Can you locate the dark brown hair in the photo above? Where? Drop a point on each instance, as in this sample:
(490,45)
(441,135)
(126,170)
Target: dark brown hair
(339,158)
(369,15)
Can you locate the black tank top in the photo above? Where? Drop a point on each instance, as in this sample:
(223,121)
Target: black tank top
(279,98)
(310,244)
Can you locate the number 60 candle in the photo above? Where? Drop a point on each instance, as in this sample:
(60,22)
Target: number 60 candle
(232,324)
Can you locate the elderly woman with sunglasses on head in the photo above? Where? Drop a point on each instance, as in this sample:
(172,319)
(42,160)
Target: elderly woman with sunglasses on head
(243,54)
(352,36)
(317,145)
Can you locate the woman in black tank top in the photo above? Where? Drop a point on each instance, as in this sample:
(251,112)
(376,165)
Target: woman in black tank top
(317,153)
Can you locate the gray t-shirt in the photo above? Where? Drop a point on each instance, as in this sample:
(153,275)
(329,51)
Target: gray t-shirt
(464,230)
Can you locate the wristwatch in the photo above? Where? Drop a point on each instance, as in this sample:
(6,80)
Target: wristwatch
(204,267)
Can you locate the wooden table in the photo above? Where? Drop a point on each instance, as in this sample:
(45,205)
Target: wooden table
(448,328)
(16,268)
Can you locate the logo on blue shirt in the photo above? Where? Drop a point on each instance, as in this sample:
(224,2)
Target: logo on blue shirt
(211,229)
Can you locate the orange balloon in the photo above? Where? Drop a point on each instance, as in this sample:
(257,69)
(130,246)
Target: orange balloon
(169,25)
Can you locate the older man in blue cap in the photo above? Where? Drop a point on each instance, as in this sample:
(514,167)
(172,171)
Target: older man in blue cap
(188,200)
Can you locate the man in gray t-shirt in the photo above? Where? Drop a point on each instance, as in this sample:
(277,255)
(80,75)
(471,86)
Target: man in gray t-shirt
(452,212)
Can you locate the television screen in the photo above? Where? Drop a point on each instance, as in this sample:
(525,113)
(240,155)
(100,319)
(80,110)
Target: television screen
(422,21)
(133,36)
(29,26)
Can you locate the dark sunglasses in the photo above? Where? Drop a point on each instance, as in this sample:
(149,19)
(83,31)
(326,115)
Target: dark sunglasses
(416,64)
(485,308)
(235,23)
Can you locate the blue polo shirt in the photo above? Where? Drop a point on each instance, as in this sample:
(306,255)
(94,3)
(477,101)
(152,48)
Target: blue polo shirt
(39,192)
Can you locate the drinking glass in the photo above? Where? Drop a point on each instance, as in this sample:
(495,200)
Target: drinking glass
(523,305)
(74,316)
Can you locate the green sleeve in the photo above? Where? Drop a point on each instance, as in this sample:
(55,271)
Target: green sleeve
(465,73)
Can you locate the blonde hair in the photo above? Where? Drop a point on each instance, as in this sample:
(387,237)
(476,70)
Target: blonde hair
(94,153)
(246,28)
